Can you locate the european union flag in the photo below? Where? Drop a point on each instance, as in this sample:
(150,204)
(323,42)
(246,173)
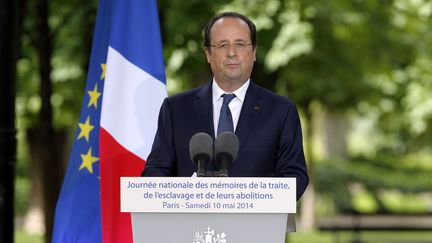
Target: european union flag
(126,78)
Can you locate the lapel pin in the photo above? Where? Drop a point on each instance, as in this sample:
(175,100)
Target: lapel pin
(257,108)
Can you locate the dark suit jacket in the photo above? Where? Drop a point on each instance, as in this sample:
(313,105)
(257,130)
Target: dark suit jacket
(268,129)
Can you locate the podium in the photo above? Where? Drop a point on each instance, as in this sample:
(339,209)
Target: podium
(209,209)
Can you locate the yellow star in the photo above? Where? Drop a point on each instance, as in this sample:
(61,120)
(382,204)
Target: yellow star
(103,66)
(88,160)
(85,129)
(94,96)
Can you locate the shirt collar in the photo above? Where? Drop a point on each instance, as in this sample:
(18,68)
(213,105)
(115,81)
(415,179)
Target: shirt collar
(240,93)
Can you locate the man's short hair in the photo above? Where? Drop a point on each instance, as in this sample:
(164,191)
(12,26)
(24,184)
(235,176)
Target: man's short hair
(211,22)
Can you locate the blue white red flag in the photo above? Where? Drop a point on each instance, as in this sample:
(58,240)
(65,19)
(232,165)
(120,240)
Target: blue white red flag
(124,91)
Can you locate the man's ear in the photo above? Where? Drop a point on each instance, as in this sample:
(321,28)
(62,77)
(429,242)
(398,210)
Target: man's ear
(207,53)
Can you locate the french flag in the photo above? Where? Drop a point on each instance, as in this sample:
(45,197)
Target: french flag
(125,89)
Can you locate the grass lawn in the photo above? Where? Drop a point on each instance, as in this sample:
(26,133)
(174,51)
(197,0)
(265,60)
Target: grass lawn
(313,237)
(21,237)
(366,237)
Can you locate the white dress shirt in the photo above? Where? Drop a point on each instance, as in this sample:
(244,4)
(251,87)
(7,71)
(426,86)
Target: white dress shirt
(235,105)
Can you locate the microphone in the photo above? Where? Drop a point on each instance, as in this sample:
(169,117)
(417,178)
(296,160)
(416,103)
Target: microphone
(201,151)
(225,151)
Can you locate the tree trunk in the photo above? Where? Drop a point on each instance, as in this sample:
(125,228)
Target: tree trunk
(334,137)
(307,220)
(34,219)
(48,149)
(35,216)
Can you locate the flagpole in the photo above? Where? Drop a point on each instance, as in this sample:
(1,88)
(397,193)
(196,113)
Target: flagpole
(8,55)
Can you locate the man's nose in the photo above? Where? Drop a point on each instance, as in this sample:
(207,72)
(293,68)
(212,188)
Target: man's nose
(232,51)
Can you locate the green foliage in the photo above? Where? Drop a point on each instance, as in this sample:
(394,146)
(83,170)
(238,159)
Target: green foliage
(71,27)
(375,182)
(22,190)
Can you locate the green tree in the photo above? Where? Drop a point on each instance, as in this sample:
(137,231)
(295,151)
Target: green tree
(55,44)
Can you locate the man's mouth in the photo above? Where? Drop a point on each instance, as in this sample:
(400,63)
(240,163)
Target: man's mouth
(232,65)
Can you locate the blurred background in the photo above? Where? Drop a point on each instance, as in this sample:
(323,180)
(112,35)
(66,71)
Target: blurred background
(360,72)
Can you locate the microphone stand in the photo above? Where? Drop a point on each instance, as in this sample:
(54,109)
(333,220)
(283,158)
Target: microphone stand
(223,172)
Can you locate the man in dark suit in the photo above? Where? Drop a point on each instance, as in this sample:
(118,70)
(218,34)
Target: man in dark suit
(267,125)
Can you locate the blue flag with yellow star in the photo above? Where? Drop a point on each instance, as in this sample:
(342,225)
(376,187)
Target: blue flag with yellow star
(126,60)
(77,217)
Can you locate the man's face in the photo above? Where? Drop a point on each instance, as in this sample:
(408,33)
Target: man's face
(231,55)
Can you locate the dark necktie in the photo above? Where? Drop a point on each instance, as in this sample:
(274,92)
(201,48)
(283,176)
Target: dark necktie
(225,117)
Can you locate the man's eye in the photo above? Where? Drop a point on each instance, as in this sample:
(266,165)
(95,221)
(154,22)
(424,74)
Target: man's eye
(240,44)
(223,45)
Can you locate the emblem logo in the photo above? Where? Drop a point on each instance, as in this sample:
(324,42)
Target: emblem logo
(209,236)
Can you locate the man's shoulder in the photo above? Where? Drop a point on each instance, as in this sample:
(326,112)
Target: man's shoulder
(272,97)
(185,95)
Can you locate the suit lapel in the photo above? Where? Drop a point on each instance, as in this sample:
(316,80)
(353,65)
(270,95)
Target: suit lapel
(204,109)
(249,114)
(203,106)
